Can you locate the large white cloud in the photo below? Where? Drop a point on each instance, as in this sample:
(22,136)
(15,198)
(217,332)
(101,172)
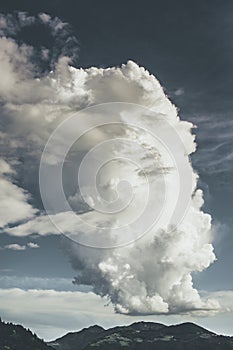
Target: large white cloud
(152,275)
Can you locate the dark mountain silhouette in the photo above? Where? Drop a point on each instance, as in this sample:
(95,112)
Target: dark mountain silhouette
(144,336)
(137,336)
(16,337)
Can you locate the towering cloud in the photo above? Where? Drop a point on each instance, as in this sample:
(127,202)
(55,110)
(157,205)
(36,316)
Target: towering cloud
(134,215)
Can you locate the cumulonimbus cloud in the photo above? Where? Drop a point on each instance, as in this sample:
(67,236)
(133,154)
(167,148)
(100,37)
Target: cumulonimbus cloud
(152,275)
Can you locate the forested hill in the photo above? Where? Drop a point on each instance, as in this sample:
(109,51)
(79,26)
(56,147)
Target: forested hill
(16,337)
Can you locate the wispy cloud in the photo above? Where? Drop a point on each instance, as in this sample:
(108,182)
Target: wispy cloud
(19,247)
(15,246)
(40,283)
(179,92)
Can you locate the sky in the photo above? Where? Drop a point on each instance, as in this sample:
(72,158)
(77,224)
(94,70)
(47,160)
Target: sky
(55,59)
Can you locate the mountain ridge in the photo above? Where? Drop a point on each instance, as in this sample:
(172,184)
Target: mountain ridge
(145,335)
(136,336)
(16,337)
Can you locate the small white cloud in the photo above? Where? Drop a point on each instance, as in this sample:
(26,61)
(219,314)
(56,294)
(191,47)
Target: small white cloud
(15,246)
(32,245)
